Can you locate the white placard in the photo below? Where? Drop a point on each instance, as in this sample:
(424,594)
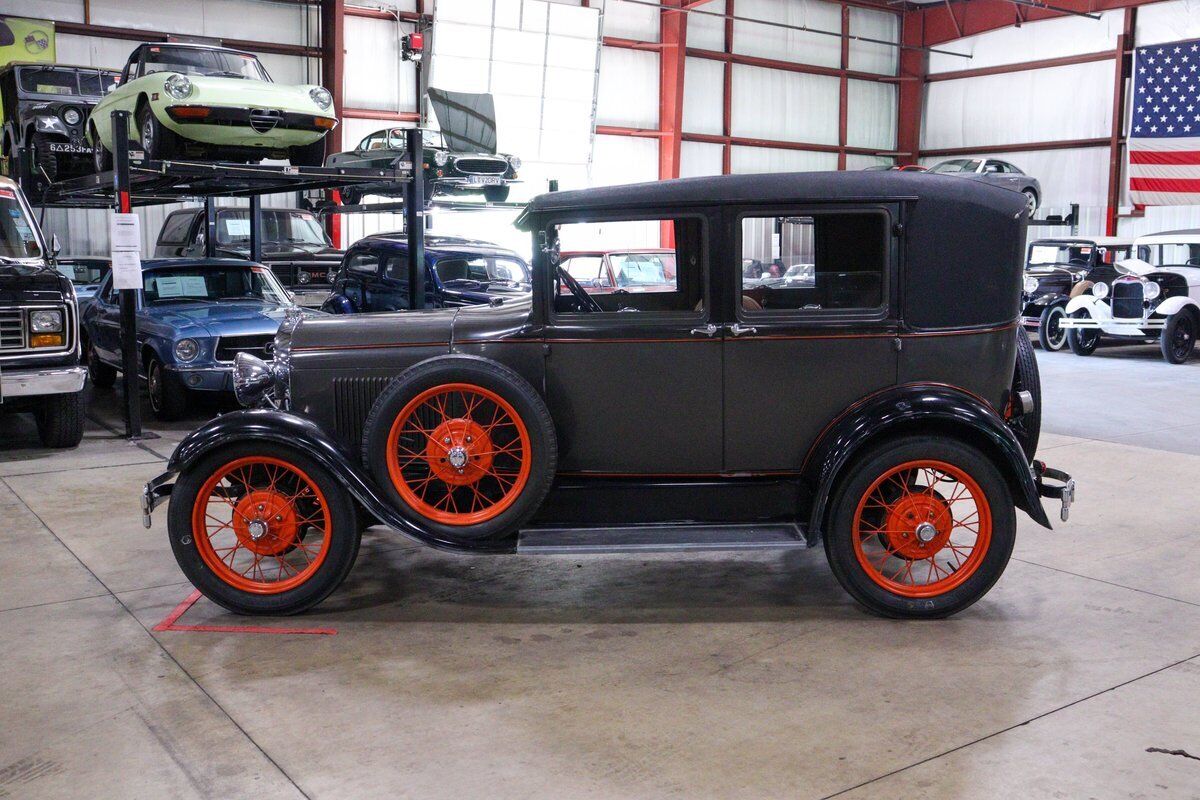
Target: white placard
(127,269)
(125,232)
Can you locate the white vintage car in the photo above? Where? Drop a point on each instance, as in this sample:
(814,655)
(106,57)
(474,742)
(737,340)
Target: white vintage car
(1155,297)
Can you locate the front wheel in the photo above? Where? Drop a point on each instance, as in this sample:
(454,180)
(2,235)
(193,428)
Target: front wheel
(168,397)
(1051,335)
(921,527)
(1031,202)
(1082,341)
(60,420)
(101,375)
(101,158)
(262,529)
(159,143)
(1179,337)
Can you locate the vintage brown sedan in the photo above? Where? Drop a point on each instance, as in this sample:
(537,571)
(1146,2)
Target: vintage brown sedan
(887,410)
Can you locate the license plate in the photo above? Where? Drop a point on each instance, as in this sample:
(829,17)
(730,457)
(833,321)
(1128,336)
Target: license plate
(484,180)
(59,147)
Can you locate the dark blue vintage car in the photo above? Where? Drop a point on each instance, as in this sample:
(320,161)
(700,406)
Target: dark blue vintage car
(194,316)
(373,275)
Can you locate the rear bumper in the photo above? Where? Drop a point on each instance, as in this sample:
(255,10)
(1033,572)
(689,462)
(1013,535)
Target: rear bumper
(154,494)
(37,382)
(1062,487)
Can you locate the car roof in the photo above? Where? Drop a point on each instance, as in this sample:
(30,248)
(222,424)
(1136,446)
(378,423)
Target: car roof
(1188,236)
(1099,241)
(14,64)
(440,243)
(181,263)
(617,252)
(819,187)
(8,183)
(194,46)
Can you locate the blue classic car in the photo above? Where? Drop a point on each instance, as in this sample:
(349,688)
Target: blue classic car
(373,275)
(194,316)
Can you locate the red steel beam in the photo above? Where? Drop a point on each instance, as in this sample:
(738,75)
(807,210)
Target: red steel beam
(386,116)
(138,35)
(631,44)
(1018,147)
(746,141)
(673,35)
(727,94)
(914,65)
(618,130)
(1023,66)
(1122,72)
(787,66)
(333,76)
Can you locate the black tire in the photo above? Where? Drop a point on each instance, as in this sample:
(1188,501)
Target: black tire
(44,160)
(1082,342)
(496,194)
(101,375)
(309,155)
(344,534)
(1027,427)
(157,141)
(1178,339)
(540,458)
(168,397)
(350,197)
(1031,201)
(101,158)
(858,480)
(60,420)
(1051,336)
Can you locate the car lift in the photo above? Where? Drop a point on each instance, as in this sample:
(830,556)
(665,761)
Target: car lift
(1058,221)
(142,182)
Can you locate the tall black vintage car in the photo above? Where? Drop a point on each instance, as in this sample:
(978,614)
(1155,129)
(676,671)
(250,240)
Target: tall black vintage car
(44,108)
(1057,270)
(39,328)
(887,409)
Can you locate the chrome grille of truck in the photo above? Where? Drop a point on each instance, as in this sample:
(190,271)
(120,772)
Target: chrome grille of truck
(12,329)
(1127,299)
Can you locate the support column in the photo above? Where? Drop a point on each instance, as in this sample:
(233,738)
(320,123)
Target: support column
(914,66)
(333,72)
(1122,70)
(844,89)
(727,108)
(673,36)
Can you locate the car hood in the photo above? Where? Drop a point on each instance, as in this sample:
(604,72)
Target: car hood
(230,319)
(289,252)
(1143,269)
(467,120)
(249,92)
(31,281)
(365,331)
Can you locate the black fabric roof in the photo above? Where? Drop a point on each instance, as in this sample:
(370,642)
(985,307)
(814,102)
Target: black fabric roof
(789,186)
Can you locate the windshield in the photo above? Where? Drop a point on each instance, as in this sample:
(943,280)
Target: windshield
(199,61)
(1170,255)
(212,283)
(82,273)
(643,269)
(17,236)
(956,165)
(1064,254)
(279,227)
(483,269)
(49,80)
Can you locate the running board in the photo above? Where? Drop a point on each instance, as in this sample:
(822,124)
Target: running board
(659,539)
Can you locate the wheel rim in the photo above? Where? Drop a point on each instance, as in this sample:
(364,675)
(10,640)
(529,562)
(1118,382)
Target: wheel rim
(1181,338)
(261,525)
(1030,204)
(458,454)
(154,386)
(148,135)
(1055,333)
(922,529)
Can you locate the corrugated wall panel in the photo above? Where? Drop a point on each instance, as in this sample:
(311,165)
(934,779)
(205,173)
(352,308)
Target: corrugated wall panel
(870,57)
(871,115)
(766,159)
(784,44)
(630,21)
(235,19)
(792,106)
(703,96)
(700,158)
(379,79)
(706,31)
(1032,41)
(1168,22)
(628,91)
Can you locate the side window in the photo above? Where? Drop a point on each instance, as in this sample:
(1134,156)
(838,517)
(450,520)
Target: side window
(396,268)
(362,262)
(175,229)
(817,264)
(645,276)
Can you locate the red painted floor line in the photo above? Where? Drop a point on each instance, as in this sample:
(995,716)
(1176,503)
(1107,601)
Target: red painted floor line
(170,623)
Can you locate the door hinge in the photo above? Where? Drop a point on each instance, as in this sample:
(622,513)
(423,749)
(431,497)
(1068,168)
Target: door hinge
(898,344)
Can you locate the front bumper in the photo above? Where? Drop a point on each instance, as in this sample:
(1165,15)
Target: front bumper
(1136,328)
(37,382)
(154,494)
(205,379)
(232,126)
(1062,488)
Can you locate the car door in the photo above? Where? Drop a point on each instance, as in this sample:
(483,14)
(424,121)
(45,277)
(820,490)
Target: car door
(800,352)
(106,327)
(635,387)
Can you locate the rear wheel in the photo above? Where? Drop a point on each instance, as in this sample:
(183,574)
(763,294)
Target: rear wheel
(1027,425)
(1082,341)
(1179,337)
(921,527)
(262,529)
(1051,335)
(60,420)
(1031,202)
(45,163)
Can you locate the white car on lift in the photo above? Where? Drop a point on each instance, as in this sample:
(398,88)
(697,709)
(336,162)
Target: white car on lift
(1156,296)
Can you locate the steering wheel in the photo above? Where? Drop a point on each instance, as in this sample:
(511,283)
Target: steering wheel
(586,301)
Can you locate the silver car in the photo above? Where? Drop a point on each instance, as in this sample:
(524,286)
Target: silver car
(993,170)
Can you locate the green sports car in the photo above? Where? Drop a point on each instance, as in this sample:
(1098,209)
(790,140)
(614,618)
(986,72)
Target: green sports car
(190,100)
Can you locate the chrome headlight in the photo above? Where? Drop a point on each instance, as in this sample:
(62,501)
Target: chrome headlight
(1100,290)
(72,116)
(178,86)
(46,321)
(516,162)
(186,349)
(440,157)
(1151,290)
(49,125)
(321,97)
(252,379)
(1031,284)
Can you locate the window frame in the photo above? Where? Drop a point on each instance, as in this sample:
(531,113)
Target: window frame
(886,310)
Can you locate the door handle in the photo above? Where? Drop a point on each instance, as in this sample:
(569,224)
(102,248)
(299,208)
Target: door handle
(738,329)
(708,330)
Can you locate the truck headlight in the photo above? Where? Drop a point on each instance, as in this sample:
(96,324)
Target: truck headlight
(186,349)
(178,86)
(1151,290)
(321,97)
(1031,284)
(49,124)
(72,116)
(1100,290)
(46,321)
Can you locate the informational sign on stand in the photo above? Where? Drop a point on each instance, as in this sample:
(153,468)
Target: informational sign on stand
(125,236)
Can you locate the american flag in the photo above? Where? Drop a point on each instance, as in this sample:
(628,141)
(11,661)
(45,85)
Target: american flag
(1164,125)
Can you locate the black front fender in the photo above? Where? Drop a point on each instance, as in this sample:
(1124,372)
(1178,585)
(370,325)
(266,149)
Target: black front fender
(919,408)
(304,435)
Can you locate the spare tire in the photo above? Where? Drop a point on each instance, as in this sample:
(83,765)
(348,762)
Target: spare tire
(1026,426)
(464,447)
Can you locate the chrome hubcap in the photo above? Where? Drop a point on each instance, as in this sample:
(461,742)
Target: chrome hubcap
(926,532)
(257,528)
(457,457)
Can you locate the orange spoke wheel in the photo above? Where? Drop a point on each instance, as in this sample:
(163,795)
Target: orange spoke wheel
(458,454)
(261,525)
(922,529)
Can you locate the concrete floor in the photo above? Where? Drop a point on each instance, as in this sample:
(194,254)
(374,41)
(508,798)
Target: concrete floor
(707,676)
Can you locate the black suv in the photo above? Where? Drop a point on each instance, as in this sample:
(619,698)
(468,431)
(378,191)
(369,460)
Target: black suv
(295,245)
(39,328)
(45,107)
